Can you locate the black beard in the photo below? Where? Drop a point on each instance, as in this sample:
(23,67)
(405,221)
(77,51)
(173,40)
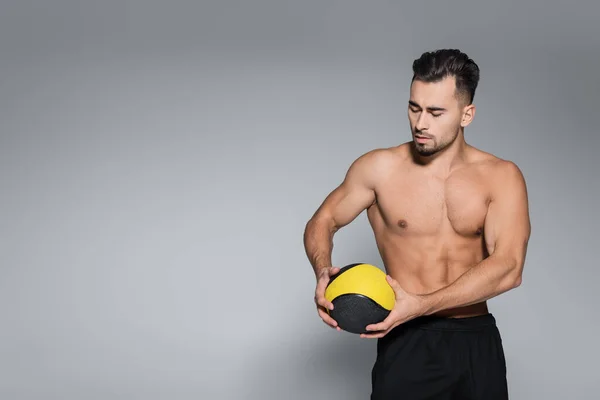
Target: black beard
(425,151)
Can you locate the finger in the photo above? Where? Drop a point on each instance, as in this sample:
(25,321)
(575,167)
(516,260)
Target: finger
(394,284)
(320,296)
(391,281)
(386,324)
(320,289)
(378,330)
(382,326)
(334,270)
(323,302)
(327,318)
(375,335)
(337,328)
(378,333)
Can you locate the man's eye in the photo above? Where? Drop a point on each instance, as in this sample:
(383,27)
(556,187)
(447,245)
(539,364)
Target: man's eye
(437,115)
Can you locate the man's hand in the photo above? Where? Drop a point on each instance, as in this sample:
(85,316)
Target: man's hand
(407,307)
(323,305)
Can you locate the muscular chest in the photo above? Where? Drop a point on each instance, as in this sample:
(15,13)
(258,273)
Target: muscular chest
(425,205)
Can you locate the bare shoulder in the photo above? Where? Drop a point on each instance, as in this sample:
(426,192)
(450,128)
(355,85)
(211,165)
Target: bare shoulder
(375,161)
(370,168)
(499,173)
(379,155)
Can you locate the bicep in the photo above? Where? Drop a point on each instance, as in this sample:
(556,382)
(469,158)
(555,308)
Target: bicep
(507,225)
(355,194)
(346,202)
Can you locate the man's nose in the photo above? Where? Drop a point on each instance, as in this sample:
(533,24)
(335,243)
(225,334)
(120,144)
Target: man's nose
(421,123)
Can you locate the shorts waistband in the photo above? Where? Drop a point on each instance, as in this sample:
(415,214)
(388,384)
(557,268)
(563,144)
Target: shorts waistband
(432,322)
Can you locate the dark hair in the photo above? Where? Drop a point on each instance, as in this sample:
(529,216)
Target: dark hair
(437,65)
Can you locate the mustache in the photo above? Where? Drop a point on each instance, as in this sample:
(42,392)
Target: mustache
(417,133)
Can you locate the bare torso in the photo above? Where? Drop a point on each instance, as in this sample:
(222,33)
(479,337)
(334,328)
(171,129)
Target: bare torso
(430,229)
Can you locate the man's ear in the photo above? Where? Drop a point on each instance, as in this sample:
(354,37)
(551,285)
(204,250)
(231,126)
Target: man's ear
(467,115)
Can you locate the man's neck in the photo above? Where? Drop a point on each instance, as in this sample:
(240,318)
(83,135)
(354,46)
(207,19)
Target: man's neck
(443,162)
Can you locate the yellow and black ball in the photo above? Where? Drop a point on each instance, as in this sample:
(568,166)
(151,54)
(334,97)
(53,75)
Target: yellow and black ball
(360,295)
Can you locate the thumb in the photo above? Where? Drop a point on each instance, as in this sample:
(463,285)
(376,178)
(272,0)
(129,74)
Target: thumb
(394,284)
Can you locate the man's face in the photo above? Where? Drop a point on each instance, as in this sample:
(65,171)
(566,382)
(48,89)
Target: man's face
(435,115)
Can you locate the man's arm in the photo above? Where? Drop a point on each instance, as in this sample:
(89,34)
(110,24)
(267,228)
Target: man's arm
(507,230)
(355,194)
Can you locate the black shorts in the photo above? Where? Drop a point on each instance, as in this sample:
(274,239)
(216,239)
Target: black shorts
(441,358)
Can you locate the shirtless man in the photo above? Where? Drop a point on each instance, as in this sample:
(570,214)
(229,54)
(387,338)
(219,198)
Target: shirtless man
(452,225)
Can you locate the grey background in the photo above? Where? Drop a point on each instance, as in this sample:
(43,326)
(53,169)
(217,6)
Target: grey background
(159,161)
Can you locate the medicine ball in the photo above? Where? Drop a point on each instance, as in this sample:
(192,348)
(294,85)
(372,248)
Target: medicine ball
(360,295)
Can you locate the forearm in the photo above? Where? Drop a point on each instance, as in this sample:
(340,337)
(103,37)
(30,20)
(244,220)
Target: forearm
(488,279)
(318,243)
